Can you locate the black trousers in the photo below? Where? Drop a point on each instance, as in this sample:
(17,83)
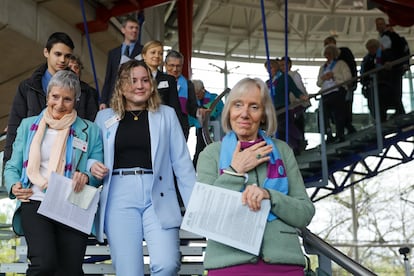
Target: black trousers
(295,137)
(53,248)
(397,75)
(334,104)
(199,146)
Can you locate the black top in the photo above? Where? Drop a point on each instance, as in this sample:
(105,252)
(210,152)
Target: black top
(133,142)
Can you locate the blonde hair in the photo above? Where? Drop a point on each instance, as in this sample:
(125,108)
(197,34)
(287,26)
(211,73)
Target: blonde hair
(245,86)
(118,100)
(151,44)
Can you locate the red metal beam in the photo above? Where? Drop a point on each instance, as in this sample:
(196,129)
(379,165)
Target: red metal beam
(399,11)
(119,8)
(185,33)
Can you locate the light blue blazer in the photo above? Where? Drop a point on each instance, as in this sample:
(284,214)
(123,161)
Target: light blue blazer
(169,153)
(84,130)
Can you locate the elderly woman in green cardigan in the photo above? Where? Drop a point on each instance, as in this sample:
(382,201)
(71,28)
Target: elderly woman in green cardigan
(249,160)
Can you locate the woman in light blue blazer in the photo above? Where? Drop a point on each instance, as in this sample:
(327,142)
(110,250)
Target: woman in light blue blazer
(144,147)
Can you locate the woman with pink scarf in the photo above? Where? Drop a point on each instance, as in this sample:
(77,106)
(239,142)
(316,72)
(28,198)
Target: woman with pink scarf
(57,141)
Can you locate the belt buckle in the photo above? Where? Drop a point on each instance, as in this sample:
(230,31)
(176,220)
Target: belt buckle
(138,172)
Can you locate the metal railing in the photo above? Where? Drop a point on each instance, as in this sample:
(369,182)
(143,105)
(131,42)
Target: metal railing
(323,149)
(327,253)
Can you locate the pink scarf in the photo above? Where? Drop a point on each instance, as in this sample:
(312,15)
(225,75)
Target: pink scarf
(57,157)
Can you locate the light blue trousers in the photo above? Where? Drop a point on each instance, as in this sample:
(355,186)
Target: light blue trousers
(129,219)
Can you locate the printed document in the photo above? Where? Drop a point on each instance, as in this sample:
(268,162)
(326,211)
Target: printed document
(218,214)
(57,203)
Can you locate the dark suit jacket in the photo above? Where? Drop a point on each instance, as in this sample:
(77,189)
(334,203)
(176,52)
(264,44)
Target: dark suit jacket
(88,104)
(347,56)
(191,107)
(167,89)
(112,66)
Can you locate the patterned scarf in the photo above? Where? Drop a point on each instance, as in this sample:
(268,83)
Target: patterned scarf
(276,178)
(60,153)
(182,87)
(378,58)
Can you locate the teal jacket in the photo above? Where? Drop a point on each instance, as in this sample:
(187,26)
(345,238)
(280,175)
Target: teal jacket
(280,243)
(84,130)
(279,99)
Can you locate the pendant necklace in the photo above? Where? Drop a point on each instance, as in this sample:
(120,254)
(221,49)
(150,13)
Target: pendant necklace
(136,116)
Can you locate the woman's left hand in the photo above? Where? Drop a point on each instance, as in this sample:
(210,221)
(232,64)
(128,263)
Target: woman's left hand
(253,196)
(79,180)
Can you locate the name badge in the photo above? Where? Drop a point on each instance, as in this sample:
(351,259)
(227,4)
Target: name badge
(80,144)
(111,121)
(163,84)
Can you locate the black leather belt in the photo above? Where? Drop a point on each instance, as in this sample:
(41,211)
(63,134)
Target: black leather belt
(131,172)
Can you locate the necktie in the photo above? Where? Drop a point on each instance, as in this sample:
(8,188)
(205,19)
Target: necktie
(126,52)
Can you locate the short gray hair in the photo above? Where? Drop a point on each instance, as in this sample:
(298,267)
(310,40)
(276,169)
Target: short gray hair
(372,43)
(198,85)
(244,86)
(174,54)
(331,49)
(66,79)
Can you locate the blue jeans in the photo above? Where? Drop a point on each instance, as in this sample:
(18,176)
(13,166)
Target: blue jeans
(130,219)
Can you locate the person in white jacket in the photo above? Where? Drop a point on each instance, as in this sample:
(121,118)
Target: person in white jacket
(332,73)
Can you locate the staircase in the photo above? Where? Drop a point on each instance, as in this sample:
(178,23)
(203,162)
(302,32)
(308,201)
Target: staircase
(349,157)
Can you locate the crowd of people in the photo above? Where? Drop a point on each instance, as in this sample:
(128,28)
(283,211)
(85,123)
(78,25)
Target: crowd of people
(389,46)
(132,140)
(336,99)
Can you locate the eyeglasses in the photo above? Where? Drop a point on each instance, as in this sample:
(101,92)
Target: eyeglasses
(169,65)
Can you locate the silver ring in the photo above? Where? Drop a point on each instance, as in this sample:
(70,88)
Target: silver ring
(258,156)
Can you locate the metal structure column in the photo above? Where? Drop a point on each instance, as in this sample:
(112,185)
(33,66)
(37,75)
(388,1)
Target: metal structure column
(185,33)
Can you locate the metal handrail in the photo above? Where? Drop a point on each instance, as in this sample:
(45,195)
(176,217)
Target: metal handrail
(206,135)
(386,66)
(312,241)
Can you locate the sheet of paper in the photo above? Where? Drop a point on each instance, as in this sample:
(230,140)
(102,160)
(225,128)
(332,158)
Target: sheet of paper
(84,198)
(218,214)
(56,206)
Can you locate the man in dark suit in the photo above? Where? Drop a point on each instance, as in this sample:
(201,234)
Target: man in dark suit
(130,49)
